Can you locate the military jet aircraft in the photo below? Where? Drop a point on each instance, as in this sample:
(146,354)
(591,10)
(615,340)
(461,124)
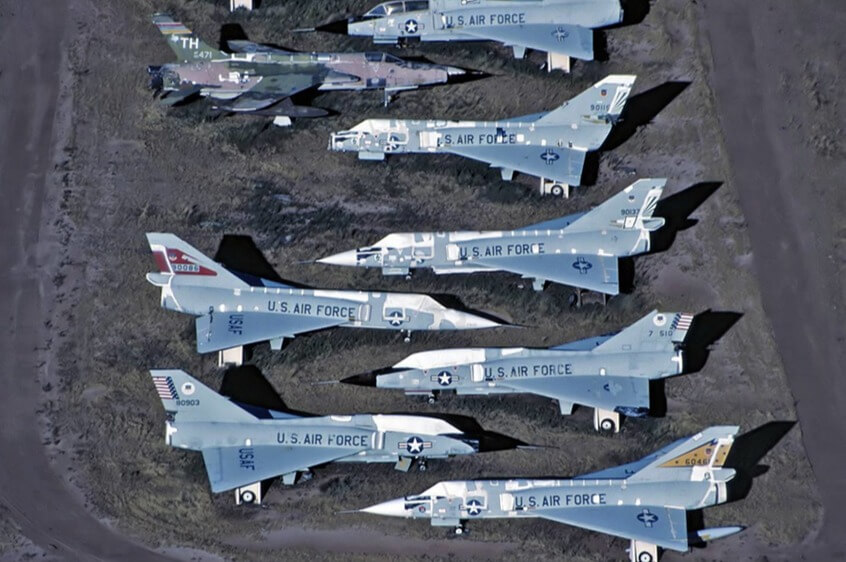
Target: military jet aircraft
(581,250)
(551,145)
(645,501)
(562,28)
(243,444)
(234,309)
(260,79)
(609,373)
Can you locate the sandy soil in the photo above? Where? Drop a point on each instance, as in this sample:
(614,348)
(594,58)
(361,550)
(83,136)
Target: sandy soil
(130,166)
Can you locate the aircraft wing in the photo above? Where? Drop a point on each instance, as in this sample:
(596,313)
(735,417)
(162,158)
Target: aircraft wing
(560,164)
(571,40)
(595,273)
(663,526)
(222,330)
(242,46)
(606,392)
(270,90)
(233,467)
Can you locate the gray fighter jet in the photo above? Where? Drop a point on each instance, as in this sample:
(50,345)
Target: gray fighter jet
(552,145)
(243,444)
(610,373)
(645,501)
(260,79)
(234,309)
(561,28)
(581,250)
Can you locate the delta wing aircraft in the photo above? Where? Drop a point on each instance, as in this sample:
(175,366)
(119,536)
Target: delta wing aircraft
(561,28)
(610,373)
(234,309)
(551,145)
(244,444)
(256,78)
(581,250)
(645,501)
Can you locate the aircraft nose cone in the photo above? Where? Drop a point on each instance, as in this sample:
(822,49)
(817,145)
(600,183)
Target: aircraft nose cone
(344,258)
(392,508)
(455,71)
(364,379)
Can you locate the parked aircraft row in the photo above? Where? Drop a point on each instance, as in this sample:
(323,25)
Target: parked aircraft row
(245,443)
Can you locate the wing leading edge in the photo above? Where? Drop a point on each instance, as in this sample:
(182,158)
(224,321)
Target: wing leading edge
(659,525)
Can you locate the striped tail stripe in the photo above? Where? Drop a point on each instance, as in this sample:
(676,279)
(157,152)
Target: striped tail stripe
(682,321)
(165,388)
(169,28)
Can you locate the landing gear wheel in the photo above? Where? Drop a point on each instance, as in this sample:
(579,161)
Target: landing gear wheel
(421,466)
(645,557)
(459,530)
(608,425)
(248,496)
(557,191)
(431,400)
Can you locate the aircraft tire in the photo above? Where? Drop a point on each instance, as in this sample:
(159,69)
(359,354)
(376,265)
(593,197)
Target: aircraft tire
(608,425)
(248,497)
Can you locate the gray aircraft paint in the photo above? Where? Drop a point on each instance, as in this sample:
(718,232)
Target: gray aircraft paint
(581,250)
(550,145)
(563,27)
(240,448)
(610,372)
(234,309)
(645,500)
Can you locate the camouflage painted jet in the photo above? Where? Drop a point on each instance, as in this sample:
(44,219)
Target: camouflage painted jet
(645,501)
(551,145)
(561,28)
(581,250)
(260,79)
(609,373)
(244,444)
(235,309)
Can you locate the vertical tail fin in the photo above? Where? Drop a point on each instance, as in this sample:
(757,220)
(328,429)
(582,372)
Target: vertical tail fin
(187,399)
(603,102)
(186,45)
(657,331)
(689,459)
(179,260)
(630,209)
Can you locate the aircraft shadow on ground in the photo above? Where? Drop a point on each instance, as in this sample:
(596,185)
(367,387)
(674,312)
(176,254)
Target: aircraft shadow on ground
(747,452)
(640,110)
(675,210)
(247,385)
(745,455)
(707,328)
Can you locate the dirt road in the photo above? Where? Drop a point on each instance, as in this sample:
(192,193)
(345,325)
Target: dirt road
(39,500)
(775,75)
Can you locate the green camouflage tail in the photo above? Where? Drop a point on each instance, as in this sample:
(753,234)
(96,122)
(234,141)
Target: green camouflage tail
(186,45)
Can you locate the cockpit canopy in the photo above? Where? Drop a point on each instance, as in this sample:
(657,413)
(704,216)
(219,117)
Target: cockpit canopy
(390,8)
(375,56)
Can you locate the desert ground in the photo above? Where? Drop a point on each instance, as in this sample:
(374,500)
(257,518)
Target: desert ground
(745,123)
